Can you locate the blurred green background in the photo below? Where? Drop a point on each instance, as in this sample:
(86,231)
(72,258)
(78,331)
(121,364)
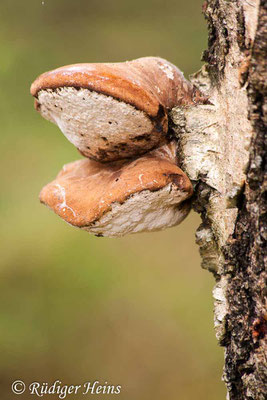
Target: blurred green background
(134,311)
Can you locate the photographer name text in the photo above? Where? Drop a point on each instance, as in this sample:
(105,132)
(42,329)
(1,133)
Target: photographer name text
(62,391)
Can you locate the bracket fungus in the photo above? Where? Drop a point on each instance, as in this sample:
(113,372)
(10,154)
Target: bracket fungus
(114,199)
(117,117)
(112,111)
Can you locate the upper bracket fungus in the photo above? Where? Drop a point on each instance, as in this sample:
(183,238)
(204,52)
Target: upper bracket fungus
(113,111)
(117,115)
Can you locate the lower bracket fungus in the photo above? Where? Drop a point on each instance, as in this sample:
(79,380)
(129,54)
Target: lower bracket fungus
(145,194)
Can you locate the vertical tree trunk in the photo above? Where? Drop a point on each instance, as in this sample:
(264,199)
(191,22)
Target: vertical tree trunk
(222,151)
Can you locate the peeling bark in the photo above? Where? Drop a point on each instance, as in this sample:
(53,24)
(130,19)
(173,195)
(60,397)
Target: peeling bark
(222,148)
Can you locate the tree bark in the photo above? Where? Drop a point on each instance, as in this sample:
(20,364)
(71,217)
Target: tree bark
(221,147)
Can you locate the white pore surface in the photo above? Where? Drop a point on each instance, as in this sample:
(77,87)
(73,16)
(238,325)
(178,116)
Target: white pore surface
(143,212)
(86,117)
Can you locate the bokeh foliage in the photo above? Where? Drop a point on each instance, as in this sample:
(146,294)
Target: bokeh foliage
(135,311)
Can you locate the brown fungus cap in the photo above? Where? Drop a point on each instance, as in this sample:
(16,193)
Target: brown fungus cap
(145,194)
(145,83)
(113,111)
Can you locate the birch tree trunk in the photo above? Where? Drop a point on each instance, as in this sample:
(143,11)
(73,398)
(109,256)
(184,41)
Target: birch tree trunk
(222,151)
